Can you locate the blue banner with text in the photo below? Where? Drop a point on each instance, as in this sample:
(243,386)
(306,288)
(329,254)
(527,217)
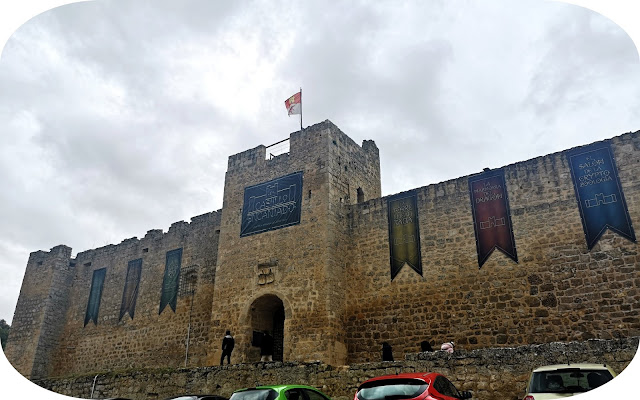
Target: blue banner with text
(599,193)
(272,205)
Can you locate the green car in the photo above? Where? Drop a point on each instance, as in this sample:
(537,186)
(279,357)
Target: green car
(279,392)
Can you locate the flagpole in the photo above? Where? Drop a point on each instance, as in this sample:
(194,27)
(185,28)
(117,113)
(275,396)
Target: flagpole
(300,108)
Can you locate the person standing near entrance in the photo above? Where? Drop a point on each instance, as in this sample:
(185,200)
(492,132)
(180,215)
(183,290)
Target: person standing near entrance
(228,343)
(387,352)
(266,347)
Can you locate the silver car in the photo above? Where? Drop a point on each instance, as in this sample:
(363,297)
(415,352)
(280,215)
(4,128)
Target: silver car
(563,380)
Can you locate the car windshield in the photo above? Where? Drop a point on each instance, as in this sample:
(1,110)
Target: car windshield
(255,394)
(391,389)
(568,380)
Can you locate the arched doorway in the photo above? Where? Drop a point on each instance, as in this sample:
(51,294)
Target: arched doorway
(267,314)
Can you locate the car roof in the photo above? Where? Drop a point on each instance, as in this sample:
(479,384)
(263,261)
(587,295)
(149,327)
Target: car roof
(197,396)
(279,387)
(407,375)
(554,367)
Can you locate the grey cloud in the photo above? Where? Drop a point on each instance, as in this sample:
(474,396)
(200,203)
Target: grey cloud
(583,49)
(117,119)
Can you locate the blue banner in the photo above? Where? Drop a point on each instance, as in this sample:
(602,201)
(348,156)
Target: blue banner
(95,294)
(131,288)
(171,280)
(598,191)
(272,205)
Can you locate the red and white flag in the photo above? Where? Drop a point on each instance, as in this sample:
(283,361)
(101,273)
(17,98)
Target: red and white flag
(294,104)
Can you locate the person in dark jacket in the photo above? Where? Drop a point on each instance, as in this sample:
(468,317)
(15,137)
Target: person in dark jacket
(387,352)
(228,344)
(266,347)
(425,346)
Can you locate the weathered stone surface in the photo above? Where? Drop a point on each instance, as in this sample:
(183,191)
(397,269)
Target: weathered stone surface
(330,274)
(492,373)
(147,340)
(558,291)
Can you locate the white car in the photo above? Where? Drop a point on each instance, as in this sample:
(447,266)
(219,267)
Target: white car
(564,380)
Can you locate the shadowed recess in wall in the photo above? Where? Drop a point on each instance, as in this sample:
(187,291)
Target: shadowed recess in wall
(188,280)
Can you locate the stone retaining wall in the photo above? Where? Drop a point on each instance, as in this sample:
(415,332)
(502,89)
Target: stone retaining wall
(493,373)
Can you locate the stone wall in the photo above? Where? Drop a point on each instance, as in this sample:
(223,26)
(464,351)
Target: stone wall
(39,316)
(493,373)
(299,258)
(558,290)
(330,274)
(149,338)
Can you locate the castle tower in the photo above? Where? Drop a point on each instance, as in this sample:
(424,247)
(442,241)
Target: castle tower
(283,235)
(39,316)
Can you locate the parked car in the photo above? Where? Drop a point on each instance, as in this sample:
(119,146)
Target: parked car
(564,380)
(279,392)
(416,385)
(198,397)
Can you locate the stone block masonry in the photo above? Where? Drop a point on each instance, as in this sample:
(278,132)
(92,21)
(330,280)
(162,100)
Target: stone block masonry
(491,373)
(557,291)
(39,317)
(113,343)
(304,262)
(322,284)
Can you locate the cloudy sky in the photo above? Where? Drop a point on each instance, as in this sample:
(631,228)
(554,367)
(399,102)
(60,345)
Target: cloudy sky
(117,116)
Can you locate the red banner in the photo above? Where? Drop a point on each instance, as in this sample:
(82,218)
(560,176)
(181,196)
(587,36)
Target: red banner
(491,216)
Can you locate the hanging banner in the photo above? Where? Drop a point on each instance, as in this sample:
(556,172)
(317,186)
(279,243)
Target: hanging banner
(95,294)
(171,280)
(598,191)
(272,205)
(491,215)
(404,233)
(131,287)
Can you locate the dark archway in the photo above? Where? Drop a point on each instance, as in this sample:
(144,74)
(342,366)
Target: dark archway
(267,314)
(278,334)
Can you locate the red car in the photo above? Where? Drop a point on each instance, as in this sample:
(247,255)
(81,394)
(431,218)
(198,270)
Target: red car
(417,385)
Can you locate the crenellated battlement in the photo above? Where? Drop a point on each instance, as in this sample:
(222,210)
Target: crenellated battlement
(211,219)
(322,141)
(39,315)
(55,284)
(311,258)
(542,171)
(54,254)
(247,158)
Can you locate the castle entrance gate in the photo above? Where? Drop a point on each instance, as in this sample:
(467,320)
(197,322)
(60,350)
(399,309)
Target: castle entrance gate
(267,314)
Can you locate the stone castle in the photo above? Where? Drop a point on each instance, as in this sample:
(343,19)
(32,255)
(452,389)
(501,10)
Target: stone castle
(306,248)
